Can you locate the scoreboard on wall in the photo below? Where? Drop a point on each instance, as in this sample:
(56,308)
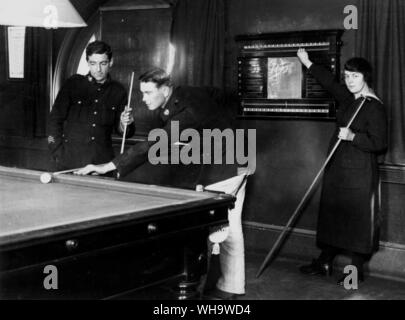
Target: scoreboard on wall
(272,83)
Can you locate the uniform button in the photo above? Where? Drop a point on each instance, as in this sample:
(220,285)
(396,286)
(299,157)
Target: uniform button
(94,124)
(166,112)
(95,100)
(93,138)
(95,112)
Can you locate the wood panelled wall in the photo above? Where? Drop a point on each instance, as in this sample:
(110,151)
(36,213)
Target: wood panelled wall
(290,152)
(140,40)
(17,147)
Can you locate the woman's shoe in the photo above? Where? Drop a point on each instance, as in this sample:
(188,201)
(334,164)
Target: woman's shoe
(317,268)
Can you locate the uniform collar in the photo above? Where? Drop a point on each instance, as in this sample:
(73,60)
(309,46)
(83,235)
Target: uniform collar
(91,79)
(171,107)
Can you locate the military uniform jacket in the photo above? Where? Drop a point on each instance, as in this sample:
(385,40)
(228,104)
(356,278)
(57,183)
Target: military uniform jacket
(349,212)
(190,107)
(82,120)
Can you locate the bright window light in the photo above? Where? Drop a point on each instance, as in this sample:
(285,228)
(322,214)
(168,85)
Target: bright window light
(170,62)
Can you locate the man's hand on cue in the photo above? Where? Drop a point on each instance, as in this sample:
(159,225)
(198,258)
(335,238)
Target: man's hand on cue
(99,169)
(126,117)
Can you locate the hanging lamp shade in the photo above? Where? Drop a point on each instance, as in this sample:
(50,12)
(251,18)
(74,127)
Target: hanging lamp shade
(50,14)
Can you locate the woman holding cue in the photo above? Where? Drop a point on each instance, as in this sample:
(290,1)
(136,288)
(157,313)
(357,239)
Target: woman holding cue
(348,221)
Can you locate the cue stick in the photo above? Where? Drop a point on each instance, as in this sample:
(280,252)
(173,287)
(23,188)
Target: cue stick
(235,193)
(46,177)
(297,210)
(126,107)
(64,171)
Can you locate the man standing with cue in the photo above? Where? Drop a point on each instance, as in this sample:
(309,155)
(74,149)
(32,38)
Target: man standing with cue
(87,110)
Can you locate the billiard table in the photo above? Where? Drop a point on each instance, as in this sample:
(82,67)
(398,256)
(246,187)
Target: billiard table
(98,238)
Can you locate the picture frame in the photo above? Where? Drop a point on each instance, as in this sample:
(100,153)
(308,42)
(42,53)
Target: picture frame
(15,53)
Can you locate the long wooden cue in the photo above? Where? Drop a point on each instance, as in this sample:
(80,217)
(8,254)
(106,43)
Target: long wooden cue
(128,104)
(303,200)
(236,191)
(64,171)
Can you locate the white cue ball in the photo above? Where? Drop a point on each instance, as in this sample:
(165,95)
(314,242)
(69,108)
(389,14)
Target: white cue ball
(46,177)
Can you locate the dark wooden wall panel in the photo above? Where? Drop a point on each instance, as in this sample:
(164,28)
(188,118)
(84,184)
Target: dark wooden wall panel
(23,152)
(290,153)
(140,40)
(393,204)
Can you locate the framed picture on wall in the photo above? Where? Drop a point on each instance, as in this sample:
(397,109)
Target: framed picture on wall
(15,47)
(272,82)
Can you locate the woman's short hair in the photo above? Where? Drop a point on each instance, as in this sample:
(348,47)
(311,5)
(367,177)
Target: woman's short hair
(362,66)
(158,76)
(98,47)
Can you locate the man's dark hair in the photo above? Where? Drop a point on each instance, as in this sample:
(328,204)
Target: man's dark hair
(361,65)
(98,47)
(157,76)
